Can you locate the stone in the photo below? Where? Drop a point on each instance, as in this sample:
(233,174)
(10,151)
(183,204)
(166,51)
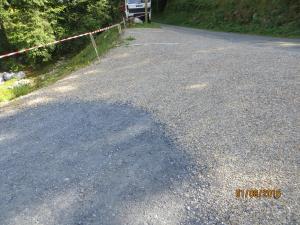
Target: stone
(8,76)
(20,75)
(137,20)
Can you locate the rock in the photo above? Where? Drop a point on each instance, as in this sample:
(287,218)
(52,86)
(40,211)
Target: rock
(20,75)
(8,76)
(137,20)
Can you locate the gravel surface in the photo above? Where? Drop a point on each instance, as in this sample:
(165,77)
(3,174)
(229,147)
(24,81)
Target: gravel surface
(162,131)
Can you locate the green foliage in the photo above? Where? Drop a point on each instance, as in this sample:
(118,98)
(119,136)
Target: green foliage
(5,92)
(130,38)
(21,90)
(54,71)
(275,17)
(27,23)
(84,15)
(8,92)
(29,29)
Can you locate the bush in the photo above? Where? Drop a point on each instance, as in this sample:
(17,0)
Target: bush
(27,23)
(259,16)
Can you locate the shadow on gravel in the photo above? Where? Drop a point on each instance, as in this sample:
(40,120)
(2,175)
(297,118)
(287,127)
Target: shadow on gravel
(290,44)
(87,163)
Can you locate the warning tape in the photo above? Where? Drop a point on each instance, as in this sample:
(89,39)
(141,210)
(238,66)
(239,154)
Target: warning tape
(59,41)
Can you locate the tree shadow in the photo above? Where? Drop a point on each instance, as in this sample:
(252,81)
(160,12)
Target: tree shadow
(88,163)
(289,44)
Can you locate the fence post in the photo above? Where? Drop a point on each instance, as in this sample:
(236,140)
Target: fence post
(124,23)
(94,45)
(120,28)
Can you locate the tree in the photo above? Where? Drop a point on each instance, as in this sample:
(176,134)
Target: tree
(27,23)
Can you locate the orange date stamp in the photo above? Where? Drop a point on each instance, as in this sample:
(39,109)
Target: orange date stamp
(258,193)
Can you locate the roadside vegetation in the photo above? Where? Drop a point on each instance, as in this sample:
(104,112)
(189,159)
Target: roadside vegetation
(51,72)
(28,23)
(7,92)
(267,17)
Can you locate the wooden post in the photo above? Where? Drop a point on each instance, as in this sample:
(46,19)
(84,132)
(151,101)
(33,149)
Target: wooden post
(119,28)
(94,45)
(124,23)
(146,11)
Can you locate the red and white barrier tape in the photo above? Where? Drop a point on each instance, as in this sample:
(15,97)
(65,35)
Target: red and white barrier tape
(59,41)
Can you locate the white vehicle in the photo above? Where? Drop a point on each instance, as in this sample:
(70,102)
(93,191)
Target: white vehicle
(136,8)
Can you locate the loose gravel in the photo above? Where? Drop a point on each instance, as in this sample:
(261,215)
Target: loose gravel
(162,131)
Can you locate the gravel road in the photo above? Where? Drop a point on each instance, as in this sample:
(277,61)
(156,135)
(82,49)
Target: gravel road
(162,131)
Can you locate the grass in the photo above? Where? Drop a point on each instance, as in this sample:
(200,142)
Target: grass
(253,17)
(130,38)
(8,93)
(186,20)
(127,40)
(22,90)
(104,42)
(55,71)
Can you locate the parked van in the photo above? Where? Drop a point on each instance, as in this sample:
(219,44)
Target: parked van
(136,8)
